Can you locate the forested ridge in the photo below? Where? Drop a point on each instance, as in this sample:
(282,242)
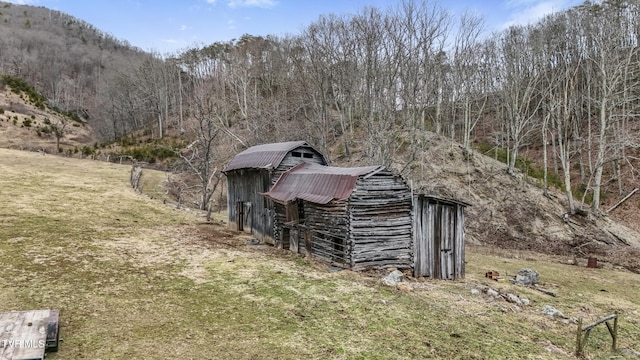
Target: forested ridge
(557,99)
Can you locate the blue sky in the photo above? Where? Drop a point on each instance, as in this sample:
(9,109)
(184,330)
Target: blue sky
(167,26)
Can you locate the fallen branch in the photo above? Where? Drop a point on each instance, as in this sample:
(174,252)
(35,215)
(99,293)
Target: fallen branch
(623,200)
(543,290)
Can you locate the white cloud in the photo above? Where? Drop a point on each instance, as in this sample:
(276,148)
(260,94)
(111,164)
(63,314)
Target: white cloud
(183,27)
(265,4)
(529,11)
(231,25)
(211,1)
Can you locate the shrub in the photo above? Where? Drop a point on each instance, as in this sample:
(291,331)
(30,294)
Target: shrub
(149,153)
(19,86)
(26,122)
(87,150)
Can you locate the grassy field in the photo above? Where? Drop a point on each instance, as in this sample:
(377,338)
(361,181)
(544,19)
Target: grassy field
(136,279)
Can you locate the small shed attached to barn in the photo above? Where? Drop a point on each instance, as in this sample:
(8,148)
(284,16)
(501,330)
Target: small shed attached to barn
(438,237)
(254,171)
(356,218)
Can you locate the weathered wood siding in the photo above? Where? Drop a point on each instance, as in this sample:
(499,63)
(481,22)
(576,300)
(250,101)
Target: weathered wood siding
(295,157)
(244,186)
(371,229)
(380,223)
(322,229)
(327,225)
(439,238)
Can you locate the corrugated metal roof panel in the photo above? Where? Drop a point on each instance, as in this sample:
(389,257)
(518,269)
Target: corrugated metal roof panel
(266,156)
(317,183)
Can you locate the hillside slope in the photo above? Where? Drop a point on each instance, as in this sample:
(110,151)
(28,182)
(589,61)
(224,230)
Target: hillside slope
(511,212)
(507,212)
(26,127)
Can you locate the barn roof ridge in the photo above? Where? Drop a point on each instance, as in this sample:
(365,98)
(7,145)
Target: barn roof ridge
(265,156)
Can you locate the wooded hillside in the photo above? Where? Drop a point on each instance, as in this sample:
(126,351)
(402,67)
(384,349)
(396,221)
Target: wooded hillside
(557,99)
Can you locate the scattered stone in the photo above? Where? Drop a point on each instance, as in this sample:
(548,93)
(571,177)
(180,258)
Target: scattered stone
(525,302)
(475,291)
(493,293)
(527,277)
(631,352)
(554,349)
(393,279)
(403,286)
(421,285)
(553,312)
(513,299)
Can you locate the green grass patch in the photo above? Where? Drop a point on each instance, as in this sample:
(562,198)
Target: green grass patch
(135,279)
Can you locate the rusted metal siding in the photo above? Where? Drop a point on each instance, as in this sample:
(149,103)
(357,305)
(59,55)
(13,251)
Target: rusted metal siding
(438,237)
(316,183)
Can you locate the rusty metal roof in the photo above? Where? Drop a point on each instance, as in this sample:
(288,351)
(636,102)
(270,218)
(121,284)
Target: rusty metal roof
(266,156)
(317,183)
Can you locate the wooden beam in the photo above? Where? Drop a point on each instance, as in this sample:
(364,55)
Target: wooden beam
(596,323)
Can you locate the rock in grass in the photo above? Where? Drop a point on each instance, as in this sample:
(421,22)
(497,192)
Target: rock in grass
(393,279)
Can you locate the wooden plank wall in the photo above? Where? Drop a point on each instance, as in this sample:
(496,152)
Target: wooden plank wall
(328,227)
(246,185)
(439,239)
(459,252)
(325,225)
(380,222)
(423,238)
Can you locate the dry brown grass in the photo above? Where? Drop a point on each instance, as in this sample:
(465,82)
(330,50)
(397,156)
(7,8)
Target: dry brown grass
(137,279)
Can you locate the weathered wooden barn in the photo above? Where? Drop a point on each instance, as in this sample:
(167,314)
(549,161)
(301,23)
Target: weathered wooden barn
(254,171)
(438,237)
(356,218)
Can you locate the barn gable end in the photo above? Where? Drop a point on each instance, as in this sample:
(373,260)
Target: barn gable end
(254,171)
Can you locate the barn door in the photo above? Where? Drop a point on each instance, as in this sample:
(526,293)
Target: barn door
(248,223)
(240,215)
(446,243)
(423,238)
(243,216)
